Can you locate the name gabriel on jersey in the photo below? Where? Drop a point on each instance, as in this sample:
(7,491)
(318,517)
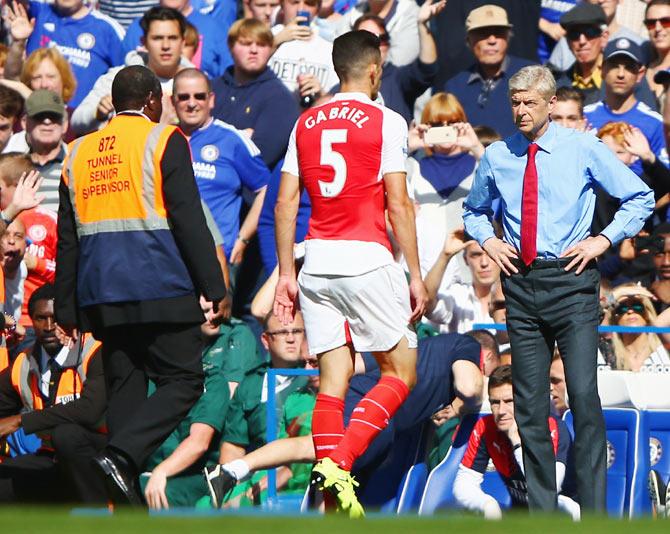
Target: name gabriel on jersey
(343,111)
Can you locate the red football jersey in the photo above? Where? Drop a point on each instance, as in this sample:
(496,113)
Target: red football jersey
(341,151)
(40,226)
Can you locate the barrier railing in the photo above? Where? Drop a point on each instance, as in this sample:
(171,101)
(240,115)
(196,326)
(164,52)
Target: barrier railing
(602,329)
(271,419)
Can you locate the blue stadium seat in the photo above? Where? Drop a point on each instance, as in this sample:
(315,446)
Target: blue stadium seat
(438,493)
(399,477)
(627,461)
(658,424)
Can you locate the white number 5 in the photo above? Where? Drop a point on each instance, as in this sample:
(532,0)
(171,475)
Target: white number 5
(333,159)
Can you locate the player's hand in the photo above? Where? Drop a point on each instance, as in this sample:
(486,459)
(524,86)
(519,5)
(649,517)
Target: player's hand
(237,254)
(444,415)
(155,491)
(293,32)
(16,19)
(636,143)
(308,84)
(105,108)
(513,434)
(418,296)
(585,251)
(429,9)
(502,253)
(25,194)
(456,242)
(286,294)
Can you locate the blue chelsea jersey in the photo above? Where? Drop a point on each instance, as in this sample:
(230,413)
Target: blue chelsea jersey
(91,45)
(225,161)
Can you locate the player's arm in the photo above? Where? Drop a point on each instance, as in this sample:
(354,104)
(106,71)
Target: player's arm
(401,215)
(468,385)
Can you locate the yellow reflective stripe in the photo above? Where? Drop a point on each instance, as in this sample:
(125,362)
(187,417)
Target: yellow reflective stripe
(20,380)
(123,225)
(69,172)
(151,168)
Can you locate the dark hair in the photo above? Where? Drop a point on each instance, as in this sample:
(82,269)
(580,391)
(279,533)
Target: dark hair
(500,376)
(46,292)
(162,13)
(131,87)
(353,52)
(192,73)
(370,17)
(661,229)
(11,103)
(565,94)
(486,339)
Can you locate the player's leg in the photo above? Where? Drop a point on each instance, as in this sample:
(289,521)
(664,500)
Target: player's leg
(373,412)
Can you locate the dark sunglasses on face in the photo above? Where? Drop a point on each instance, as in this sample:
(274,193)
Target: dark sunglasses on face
(183,97)
(651,23)
(590,32)
(53,117)
(622,309)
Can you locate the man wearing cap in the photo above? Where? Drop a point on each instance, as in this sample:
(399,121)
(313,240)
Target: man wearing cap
(46,123)
(623,69)
(482,88)
(587,35)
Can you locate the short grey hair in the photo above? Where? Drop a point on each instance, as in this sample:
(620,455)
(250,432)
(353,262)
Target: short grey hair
(533,77)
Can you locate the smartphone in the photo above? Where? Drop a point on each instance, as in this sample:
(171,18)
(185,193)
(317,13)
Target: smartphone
(440,135)
(303,14)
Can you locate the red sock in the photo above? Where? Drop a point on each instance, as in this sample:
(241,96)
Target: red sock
(369,418)
(327,424)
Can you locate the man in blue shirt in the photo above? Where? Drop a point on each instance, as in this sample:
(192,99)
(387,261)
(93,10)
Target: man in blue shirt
(225,161)
(89,40)
(482,89)
(623,69)
(550,279)
(212,55)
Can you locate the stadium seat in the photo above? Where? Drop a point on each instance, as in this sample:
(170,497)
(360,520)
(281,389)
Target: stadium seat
(649,391)
(627,461)
(658,425)
(438,493)
(613,389)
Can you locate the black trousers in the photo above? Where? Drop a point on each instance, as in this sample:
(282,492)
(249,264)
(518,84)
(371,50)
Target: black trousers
(547,305)
(64,476)
(167,354)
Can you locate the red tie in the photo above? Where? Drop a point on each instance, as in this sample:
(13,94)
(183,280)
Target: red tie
(529,208)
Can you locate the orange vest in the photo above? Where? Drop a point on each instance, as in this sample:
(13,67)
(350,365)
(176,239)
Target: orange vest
(115,182)
(26,375)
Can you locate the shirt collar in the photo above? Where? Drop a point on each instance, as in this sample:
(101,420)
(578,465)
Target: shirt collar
(60,358)
(352,96)
(546,142)
(477,75)
(595,80)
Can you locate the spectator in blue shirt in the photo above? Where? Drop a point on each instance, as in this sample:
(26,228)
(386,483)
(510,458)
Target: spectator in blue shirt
(482,89)
(89,40)
(212,56)
(546,177)
(623,69)
(250,96)
(225,161)
(550,29)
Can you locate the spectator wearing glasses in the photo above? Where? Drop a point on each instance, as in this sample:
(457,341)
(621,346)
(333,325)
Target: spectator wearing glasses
(482,89)
(657,22)
(225,162)
(587,36)
(245,426)
(562,57)
(401,86)
(635,351)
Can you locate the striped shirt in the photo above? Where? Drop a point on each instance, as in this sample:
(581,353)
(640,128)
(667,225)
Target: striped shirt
(50,173)
(125,11)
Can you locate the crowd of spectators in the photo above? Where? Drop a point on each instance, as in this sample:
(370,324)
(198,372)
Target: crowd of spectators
(235,77)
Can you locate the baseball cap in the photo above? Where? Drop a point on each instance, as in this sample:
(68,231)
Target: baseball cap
(43,101)
(584,14)
(487,16)
(624,47)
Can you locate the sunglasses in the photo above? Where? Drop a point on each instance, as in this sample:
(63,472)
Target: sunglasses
(622,309)
(590,32)
(183,97)
(651,23)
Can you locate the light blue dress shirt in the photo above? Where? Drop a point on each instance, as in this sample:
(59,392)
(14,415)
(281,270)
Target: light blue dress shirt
(569,165)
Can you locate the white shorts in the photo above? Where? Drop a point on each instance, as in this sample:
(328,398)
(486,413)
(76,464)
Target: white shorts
(375,305)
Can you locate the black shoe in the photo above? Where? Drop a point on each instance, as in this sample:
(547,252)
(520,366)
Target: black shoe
(657,494)
(120,478)
(220,483)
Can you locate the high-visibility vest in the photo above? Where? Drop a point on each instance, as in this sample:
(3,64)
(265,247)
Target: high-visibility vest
(26,376)
(126,248)
(4,353)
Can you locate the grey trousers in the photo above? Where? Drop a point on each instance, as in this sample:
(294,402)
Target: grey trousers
(545,305)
